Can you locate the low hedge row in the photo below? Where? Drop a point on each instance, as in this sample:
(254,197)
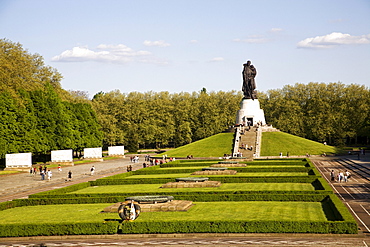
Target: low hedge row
(277,179)
(320,185)
(326,227)
(24,229)
(201,197)
(252,163)
(271,179)
(238,169)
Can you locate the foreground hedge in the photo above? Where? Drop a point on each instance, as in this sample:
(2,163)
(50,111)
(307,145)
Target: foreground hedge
(93,228)
(335,227)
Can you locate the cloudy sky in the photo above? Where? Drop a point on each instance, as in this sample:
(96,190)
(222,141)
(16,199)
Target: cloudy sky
(175,46)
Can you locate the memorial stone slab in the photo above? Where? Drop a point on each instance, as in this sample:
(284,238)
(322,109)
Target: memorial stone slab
(18,161)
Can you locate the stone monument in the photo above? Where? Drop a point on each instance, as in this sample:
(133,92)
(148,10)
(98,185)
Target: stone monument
(250,112)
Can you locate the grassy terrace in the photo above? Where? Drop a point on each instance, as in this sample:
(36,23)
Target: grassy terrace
(266,196)
(207,211)
(213,146)
(154,188)
(275,142)
(245,174)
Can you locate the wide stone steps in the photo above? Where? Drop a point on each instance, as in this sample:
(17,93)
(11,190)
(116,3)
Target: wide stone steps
(248,139)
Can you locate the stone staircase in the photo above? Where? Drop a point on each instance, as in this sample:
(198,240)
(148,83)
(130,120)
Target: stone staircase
(248,138)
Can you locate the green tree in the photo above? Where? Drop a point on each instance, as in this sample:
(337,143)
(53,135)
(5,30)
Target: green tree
(22,70)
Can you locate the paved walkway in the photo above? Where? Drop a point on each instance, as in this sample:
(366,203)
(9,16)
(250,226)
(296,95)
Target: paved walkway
(23,184)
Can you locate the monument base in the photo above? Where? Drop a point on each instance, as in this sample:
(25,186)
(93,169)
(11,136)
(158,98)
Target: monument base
(250,112)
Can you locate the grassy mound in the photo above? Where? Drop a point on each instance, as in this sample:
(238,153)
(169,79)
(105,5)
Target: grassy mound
(275,142)
(213,146)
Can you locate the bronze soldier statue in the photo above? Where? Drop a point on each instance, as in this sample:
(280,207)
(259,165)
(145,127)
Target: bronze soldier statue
(249,84)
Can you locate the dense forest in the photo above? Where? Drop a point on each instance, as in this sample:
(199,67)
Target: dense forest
(37,115)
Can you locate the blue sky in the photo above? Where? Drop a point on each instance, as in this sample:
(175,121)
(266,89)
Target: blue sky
(183,46)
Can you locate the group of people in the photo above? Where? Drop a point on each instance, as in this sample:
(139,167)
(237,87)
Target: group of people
(341,176)
(134,159)
(155,162)
(46,173)
(250,148)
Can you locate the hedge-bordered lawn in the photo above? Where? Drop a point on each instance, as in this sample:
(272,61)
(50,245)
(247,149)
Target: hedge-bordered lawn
(241,174)
(150,188)
(204,211)
(246,211)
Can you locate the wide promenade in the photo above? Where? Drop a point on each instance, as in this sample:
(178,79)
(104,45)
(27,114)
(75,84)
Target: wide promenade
(355,194)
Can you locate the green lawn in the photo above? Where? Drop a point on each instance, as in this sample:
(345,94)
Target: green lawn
(150,188)
(213,146)
(248,211)
(72,213)
(241,174)
(9,172)
(275,142)
(207,211)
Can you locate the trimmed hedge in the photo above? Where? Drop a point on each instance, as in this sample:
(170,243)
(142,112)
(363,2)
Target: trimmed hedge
(91,228)
(249,163)
(235,226)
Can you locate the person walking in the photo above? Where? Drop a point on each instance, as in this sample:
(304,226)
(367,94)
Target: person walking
(340,176)
(347,175)
(92,170)
(50,174)
(69,177)
(332,176)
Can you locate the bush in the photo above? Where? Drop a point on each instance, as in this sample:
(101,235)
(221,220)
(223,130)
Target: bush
(23,230)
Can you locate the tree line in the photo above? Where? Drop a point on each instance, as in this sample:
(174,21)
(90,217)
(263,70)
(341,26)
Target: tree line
(162,119)
(37,115)
(335,113)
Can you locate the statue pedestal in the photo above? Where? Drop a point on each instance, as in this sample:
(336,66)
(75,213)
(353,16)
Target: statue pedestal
(250,110)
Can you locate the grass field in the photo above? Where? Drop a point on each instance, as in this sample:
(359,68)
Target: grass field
(9,172)
(275,142)
(151,188)
(204,211)
(241,174)
(213,146)
(73,213)
(248,211)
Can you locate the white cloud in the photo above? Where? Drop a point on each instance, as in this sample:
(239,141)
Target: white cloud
(253,40)
(217,59)
(103,53)
(333,39)
(193,41)
(159,43)
(276,30)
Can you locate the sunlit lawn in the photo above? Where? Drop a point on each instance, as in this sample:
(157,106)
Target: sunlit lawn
(230,168)
(213,146)
(241,174)
(64,213)
(204,211)
(246,211)
(9,172)
(275,142)
(132,188)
